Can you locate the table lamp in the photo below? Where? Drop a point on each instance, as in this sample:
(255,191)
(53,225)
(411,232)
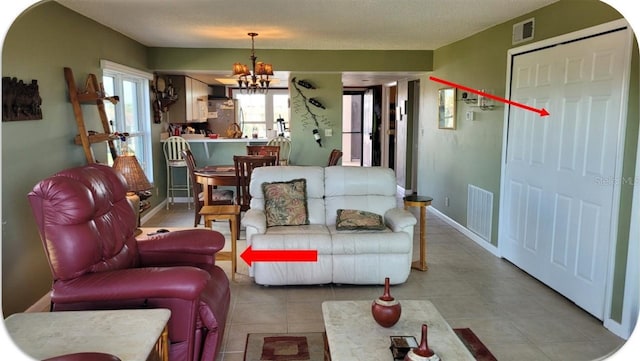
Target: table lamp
(128,166)
(137,182)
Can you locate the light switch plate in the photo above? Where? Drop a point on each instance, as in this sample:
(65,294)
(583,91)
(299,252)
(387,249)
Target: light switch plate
(328,132)
(470,115)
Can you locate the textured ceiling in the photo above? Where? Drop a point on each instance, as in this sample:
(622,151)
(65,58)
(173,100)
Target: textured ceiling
(302,24)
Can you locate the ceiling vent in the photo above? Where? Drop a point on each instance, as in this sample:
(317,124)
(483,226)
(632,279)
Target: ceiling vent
(523,31)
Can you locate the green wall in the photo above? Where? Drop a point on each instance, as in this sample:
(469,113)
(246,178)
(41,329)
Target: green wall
(40,43)
(449,160)
(293,60)
(304,149)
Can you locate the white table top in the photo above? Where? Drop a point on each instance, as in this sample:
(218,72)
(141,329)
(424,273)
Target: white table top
(354,335)
(128,334)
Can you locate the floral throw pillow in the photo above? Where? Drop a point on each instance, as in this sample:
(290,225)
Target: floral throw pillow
(350,219)
(285,203)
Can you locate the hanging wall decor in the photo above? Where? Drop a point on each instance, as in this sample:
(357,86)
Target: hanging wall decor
(164,96)
(301,104)
(20,101)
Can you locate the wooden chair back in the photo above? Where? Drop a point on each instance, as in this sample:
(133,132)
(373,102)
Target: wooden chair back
(198,199)
(273,150)
(244,165)
(334,157)
(191,168)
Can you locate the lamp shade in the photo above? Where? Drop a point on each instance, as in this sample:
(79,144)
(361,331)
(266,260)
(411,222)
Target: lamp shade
(268,69)
(238,69)
(128,166)
(259,68)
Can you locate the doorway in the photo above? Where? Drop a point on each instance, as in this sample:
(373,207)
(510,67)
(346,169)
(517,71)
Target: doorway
(558,219)
(389,126)
(360,124)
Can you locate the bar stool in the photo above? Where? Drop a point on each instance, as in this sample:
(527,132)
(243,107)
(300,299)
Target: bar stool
(230,213)
(285,149)
(172,148)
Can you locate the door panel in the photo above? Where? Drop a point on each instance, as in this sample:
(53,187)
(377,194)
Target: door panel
(367,129)
(558,216)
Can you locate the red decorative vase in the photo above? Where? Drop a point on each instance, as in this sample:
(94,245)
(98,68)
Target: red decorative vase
(386,309)
(422,352)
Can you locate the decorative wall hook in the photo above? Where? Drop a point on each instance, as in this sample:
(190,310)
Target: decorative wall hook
(303,104)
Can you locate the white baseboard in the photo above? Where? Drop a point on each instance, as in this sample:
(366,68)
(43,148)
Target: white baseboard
(474,237)
(402,191)
(163,204)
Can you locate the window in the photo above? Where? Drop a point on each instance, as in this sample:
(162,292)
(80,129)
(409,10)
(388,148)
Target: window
(131,114)
(260,112)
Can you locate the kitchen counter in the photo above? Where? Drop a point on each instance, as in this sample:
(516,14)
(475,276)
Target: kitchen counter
(206,142)
(227,140)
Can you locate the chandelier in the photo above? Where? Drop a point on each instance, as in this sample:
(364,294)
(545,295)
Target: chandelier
(256,79)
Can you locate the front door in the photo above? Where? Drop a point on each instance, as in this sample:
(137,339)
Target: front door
(559,195)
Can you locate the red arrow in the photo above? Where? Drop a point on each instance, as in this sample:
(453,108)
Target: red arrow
(279,255)
(543,112)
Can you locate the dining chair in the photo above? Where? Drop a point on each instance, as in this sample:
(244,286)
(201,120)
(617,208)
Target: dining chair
(172,148)
(265,150)
(285,149)
(216,196)
(244,165)
(334,157)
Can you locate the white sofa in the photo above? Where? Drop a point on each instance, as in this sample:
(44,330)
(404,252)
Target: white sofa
(344,257)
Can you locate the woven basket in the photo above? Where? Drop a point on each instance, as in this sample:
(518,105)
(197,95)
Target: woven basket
(233,131)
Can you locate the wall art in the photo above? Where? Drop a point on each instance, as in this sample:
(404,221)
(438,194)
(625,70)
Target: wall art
(20,100)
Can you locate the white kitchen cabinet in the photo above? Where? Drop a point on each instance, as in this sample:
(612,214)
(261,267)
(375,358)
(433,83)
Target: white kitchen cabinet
(191,105)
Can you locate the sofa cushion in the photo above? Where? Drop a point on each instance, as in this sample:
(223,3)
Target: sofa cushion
(369,242)
(286,203)
(350,219)
(307,237)
(371,189)
(315,187)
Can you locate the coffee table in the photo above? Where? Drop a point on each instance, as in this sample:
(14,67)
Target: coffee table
(353,335)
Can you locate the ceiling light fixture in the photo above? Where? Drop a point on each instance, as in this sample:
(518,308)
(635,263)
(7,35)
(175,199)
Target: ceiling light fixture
(256,80)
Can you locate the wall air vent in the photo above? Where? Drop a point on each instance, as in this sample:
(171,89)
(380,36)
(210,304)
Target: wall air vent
(523,31)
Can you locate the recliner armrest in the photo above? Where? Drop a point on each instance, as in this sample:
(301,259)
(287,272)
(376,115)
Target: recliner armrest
(257,219)
(398,219)
(184,247)
(134,283)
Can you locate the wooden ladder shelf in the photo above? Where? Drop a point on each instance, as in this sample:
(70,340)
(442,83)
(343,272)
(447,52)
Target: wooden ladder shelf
(93,93)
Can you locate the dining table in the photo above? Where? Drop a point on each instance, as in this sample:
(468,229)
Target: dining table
(214,176)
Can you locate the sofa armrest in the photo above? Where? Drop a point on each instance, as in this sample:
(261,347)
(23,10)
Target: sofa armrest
(255,219)
(398,219)
(186,247)
(133,283)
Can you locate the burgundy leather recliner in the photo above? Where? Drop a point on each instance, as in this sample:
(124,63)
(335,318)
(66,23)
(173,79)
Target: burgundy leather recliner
(87,228)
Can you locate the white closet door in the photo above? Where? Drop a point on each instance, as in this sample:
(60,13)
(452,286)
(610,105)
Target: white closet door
(560,170)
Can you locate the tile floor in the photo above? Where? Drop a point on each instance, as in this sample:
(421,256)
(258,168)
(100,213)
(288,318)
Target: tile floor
(515,316)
